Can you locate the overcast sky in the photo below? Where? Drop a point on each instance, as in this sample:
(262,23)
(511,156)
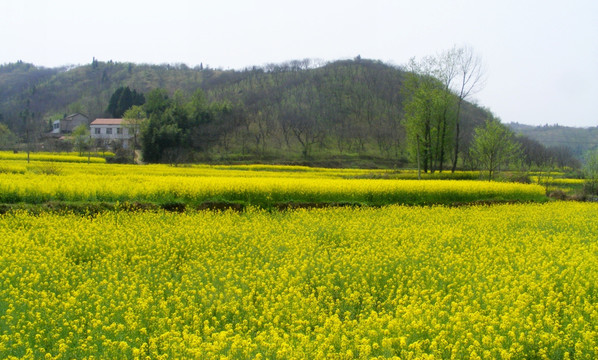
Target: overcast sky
(540,56)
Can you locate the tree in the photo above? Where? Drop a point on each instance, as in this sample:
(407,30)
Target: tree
(304,119)
(458,74)
(7,138)
(429,114)
(132,120)
(81,138)
(207,122)
(493,146)
(122,99)
(160,135)
(467,67)
(27,117)
(590,170)
(154,139)
(179,125)
(157,101)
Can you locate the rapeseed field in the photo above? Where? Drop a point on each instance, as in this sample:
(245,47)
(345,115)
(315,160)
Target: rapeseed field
(72,157)
(262,186)
(476,282)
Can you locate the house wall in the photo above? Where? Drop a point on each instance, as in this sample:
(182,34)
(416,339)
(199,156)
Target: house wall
(69,123)
(56,127)
(110,133)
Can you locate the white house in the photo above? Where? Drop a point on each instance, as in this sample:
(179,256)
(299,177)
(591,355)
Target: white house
(109,131)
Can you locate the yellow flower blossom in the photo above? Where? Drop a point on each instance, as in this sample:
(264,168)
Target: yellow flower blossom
(506,281)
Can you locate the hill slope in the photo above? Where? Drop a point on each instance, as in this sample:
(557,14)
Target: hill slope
(51,93)
(350,108)
(578,140)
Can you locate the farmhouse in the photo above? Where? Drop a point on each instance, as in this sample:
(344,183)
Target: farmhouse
(69,123)
(110,132)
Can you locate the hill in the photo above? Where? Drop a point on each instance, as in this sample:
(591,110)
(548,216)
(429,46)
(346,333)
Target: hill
(51,93)
(342,113)
(577,140)
(290,111)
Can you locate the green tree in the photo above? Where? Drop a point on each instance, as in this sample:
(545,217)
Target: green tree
(493,147)
(159,134)
(163,134)
(178,126)
(207,121)
(7,138)
(428,113)
(591,172)
(81,138)
(459,74)
(132,120)
(122,99)
(157,101)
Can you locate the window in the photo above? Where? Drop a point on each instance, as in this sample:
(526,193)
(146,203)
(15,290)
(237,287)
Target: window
(119,131)
(97,131)
(108,131)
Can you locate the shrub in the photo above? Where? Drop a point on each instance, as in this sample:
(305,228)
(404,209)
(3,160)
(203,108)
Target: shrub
(591,173)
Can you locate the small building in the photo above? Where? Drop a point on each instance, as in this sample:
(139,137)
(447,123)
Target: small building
(69,123)
(108,132)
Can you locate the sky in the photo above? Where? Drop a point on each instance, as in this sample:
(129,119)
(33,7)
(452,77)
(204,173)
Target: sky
(540,57)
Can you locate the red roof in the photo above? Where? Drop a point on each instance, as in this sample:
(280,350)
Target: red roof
(107,122)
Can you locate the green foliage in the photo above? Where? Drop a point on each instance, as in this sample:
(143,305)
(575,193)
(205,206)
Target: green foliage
(429,113)
(591,173)
(494,146)
(76,107)
(178,125)
(7,138)
(81,138)
(122,99)
(133,119)
(136,112)
(157,101)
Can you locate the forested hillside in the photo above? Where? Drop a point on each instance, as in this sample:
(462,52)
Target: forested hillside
(51,93)
(327,114)
(578,140)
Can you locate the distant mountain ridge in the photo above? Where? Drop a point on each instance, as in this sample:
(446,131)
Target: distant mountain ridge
(578,140)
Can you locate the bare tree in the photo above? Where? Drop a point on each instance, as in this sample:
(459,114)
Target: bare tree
(466,66)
